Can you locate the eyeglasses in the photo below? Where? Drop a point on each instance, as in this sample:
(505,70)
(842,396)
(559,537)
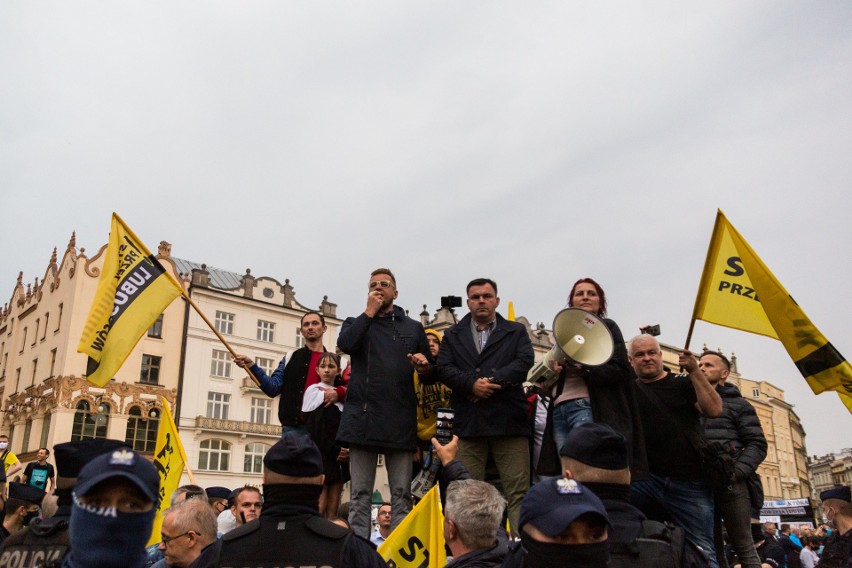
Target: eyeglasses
(167,539)
(382,283)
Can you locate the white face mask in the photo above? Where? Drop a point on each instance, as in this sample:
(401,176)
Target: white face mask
(3,445)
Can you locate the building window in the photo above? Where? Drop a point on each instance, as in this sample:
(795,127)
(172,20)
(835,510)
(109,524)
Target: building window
(214,455)
(25,443)
(52,363)
(253,459)
(261,410)
(265,331)
(45,431)
(24,341)
(225,323)
(156,330)
(150,372)
(300,339)
(58,319)
(268,365)
(44,333)
(755,392)
(35,369)
(218,404)
(220,366)
(35,335)
(142,431)
(90,425)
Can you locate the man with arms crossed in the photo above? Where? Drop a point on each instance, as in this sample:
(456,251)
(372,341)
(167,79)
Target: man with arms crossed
(484,359)
(675,489)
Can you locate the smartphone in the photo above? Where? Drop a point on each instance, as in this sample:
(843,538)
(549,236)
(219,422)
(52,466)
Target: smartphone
(444,431)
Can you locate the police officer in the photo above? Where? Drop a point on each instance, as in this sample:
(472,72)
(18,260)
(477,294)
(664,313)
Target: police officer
(290,530)
(21,507)
(45,541)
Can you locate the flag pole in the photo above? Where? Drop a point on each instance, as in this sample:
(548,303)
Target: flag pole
(689,333)
(219,335)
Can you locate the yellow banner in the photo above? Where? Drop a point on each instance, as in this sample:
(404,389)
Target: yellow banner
(737,290)
(133,291)
(169,459)
(418,541)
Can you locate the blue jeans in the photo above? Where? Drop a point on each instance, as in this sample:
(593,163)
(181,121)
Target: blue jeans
(688,504)
(362,469)
(567,415)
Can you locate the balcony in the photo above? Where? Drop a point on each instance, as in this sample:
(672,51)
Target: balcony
(249,385)
(237,426)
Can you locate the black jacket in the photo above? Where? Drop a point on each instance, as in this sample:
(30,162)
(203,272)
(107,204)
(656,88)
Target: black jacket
(381,406)
(738,430)
(507,357)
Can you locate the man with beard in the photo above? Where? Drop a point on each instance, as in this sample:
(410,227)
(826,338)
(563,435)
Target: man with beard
(380,414)
(739,432)
(293,377)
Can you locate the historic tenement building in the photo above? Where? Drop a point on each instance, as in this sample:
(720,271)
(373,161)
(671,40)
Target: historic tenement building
(827,471)
(45,397)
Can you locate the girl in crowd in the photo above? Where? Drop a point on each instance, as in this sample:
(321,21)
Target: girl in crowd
(322,422)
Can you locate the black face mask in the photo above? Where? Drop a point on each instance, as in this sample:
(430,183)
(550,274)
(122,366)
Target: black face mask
(30,516)
(549,555)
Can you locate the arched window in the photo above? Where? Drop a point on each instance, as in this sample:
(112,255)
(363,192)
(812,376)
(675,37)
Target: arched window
(90,425)
(253,459)
(142,431)
(214,455)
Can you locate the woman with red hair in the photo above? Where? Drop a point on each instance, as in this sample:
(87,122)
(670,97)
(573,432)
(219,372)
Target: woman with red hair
(601,394)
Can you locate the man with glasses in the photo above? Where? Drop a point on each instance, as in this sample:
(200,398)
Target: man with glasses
(189,536)
(380,414)
(383,518)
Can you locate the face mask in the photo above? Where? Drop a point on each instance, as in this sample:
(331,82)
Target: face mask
(549,555)
(3,445)
(30,516)
(108,538)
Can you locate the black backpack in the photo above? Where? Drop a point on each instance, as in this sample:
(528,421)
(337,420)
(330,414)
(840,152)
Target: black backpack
(660,545)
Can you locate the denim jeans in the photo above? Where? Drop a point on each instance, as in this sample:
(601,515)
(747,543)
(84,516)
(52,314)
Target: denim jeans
(734,507)
(567,415)
(362,469)
(688,504)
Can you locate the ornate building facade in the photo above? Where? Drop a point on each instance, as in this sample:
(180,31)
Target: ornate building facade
(45,397)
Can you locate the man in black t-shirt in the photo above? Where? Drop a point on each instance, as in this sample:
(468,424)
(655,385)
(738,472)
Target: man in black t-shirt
(675,490)
(39,473)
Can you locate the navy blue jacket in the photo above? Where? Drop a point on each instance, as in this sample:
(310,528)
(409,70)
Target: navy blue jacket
(507,357)
(381,406)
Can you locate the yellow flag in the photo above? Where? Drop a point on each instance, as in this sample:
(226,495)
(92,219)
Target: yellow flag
(419,539)
(737,290)
(133,291)
(169,459)
(511,313)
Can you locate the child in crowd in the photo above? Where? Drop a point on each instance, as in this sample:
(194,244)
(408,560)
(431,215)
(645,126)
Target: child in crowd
(322,419)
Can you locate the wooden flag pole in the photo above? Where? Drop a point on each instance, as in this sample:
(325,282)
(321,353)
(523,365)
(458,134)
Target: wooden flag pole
(689,333)
(219,335)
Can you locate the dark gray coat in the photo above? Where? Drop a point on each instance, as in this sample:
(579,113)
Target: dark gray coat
(738,429)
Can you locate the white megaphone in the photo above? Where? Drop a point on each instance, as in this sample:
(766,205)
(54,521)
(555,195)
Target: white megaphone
(581,338)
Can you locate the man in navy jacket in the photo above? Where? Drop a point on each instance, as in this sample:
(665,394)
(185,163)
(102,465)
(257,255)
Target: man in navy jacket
(380,414)
(484,359)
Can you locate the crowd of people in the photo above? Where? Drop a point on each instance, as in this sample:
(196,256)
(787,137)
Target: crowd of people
(621,464)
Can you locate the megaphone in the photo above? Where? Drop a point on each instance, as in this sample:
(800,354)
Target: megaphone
(581,338)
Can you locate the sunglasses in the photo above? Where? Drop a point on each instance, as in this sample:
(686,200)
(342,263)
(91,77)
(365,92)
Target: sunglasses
(381,284)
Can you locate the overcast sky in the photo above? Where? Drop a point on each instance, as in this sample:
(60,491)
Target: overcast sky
(535,145)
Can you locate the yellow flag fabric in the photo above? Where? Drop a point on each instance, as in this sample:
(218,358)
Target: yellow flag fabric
(737,290)
(511,313)
(132,292)
(419,540)
(169,459)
